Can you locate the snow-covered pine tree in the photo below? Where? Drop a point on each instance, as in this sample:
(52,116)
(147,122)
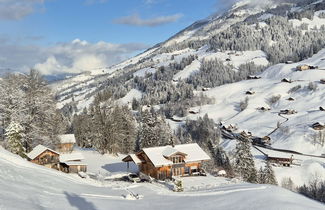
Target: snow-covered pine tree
(244,165)
(269,177)
(15,138)
(148,135)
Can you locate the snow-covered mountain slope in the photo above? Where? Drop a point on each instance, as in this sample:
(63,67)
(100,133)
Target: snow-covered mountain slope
(260,34)
(306,101)
(24,185)
(198,40)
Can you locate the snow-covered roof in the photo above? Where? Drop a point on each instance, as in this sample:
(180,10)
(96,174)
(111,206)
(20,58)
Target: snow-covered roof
(169,151)
(39,149)
(193,153)
(71,157)
(132,157)
(67,138)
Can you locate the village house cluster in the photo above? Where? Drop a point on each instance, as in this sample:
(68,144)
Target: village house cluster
(63,158)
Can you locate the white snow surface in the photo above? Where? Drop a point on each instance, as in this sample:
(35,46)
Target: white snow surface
(132,94)
(24,185)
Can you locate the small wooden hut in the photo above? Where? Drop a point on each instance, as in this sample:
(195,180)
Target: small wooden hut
(281,160)
(288,111)
(286,80)
(67,142)
(318,126)
(253,77)
(249,92)
(72,163)
(264,109)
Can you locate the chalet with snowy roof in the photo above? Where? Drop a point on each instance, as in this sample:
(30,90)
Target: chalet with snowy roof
(44,156)
(72,163)
(305,67)
(168,161)
(67,141)
(318,126)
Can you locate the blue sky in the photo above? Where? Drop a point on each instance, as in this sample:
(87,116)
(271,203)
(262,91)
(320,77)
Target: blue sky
(57,29)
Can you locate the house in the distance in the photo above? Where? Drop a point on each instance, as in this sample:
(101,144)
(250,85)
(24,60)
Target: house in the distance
(72,163)
(168,161)
(44,156)
(67,142)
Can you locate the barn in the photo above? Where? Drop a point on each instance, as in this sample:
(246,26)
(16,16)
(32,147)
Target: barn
(67,142)
(42,155)
(72,163)
(169,161)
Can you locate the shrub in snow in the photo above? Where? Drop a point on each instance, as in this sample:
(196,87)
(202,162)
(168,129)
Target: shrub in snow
(243,104)
(312,86)
(287,183)
(315,189)
(273,99)
(178,186)
(294,89)
(319,138)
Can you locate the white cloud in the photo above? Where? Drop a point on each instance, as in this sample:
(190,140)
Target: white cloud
(136,20)
(18,9)
(71,57)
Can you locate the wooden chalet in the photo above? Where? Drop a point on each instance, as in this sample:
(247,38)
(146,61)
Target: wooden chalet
(290,99)
(67,142)
(280,160)
(246,134)
(193,112)
(305,67)
(318,126)
(44,156)
(321,108)
(249,92)
(286,80)
(322,81)
(72,163)
(288,111)
(264,109)
(169,161)
(253,77)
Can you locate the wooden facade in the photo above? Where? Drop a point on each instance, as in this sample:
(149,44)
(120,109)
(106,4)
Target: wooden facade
(47,158)
(65,147)
(280,160)
(178,168)
(73,168)
(169,163)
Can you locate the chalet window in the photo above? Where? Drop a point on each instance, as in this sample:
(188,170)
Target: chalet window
(177,159)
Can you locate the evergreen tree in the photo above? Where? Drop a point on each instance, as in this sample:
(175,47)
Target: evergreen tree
(269,177)
(244,165)
(15,138)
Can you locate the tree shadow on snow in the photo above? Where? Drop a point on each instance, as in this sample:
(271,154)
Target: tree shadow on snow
(120,167)
(79,202)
